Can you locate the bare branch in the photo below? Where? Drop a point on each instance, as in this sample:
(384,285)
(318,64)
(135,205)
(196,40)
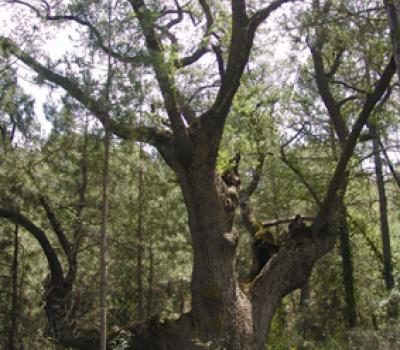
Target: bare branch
(108,50)
(261,15)
(179,18)
(24,3)
(203,47)
(277,222)
(207,11)
(194,57)
(349,86)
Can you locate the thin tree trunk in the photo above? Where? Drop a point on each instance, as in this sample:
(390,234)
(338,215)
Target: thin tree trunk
(139,233)
(104,214)
(389,163)
(150,282)
(350,313)
(347,268)
(103,245)
(12,337)
(393,9)
(385,234)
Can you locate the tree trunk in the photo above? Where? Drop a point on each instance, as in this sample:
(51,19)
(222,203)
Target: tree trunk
(347,268)
(384,224)
(140,240)
(383,219)
(103,245)
(12,337)
(393,13)
(104,213)
(350,313)
(150,282)
(219,309)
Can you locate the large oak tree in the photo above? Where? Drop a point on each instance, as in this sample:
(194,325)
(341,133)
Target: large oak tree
(222,310)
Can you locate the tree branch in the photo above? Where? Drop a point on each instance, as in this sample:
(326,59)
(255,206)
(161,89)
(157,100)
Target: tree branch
(277,222)
(220,60)
(151,135)
(203,46)
(326,94)
(255,180)
(56,225)
(246,209)
(52,259)
(164,76)
(100,42)
(261,15)
(242,36)
(290,268)
(301,178)
(330,199)
(286,271)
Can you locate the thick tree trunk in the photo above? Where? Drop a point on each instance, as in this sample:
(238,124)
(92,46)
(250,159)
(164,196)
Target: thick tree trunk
(220,310)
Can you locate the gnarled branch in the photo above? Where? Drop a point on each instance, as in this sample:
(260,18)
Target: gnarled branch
(56,270)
